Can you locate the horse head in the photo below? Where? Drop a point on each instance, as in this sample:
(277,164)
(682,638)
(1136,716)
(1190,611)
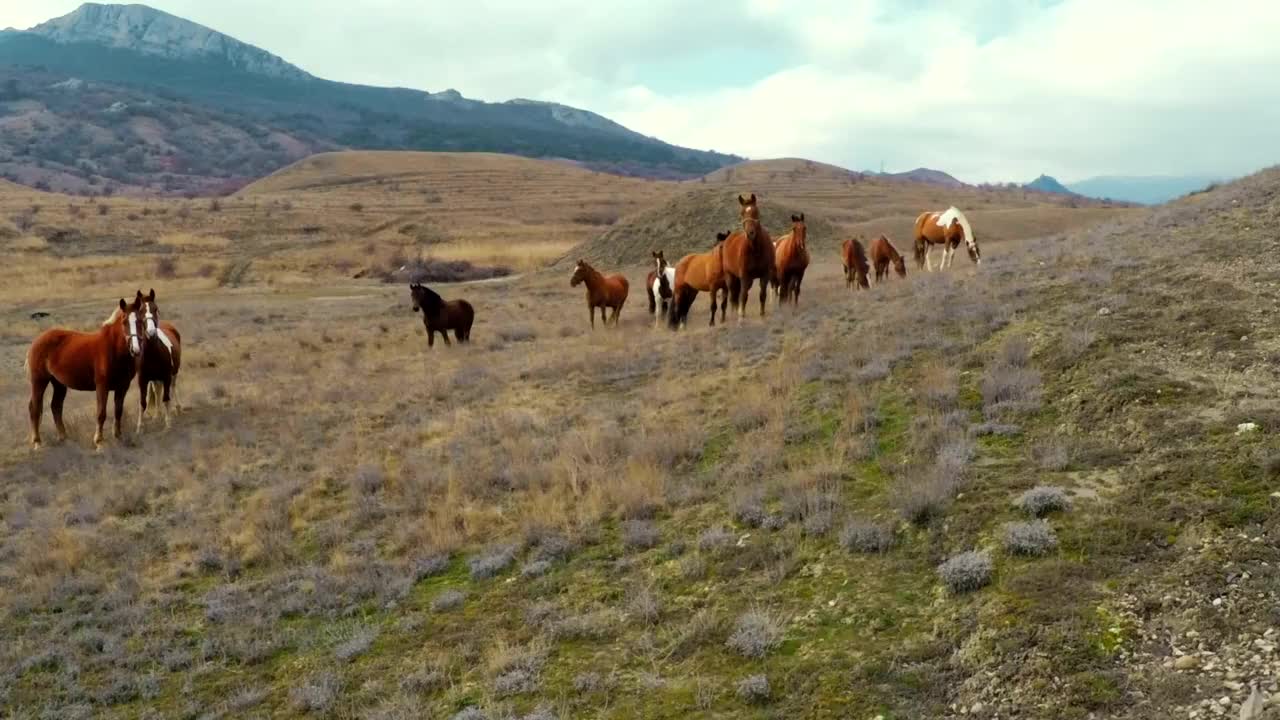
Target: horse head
(899,261)
(580,273)
(126,318)
(749,207)
(722,236)
(798,230)
(659,261)
(150,314)
(423,297)
(752,227)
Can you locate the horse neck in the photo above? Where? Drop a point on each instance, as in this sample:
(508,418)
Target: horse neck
(592,278)
(800,239)
(114,336)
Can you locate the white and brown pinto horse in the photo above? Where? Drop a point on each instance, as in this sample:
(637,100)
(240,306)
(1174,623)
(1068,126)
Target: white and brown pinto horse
(659,284)
(947,228)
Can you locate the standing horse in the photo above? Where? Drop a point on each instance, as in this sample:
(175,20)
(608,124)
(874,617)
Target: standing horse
(947,228)
(439,316)
(856,267)
(658,284)
(748,256)
(607,292)
(882,253)
(103,362)
(791,259)
(700,272)
(161,360)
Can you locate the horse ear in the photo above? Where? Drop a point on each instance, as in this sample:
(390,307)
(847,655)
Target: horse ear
(753,199)
(795,218)
(801,217)
(741,201)
(123,304)
(151,296)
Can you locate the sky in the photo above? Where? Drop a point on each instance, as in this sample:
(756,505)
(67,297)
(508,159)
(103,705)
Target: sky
(988,90)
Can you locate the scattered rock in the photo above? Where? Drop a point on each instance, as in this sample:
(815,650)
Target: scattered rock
(1103,312)
(1187,662)
(1246,427)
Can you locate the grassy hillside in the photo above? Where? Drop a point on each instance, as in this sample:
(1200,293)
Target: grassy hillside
(740,522)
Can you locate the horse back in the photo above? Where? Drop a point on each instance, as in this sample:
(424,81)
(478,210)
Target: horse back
(75,359)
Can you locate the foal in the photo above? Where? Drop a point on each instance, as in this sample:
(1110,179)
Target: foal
(603,291)
(882,253)
(659,284)
(439,316)
(854,257)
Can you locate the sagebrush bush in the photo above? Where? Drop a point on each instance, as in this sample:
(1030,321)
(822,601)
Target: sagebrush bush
(640,534)
(429,566)
(491,562)
(715,539)
(754,689)
(1029,538)
(866,536)
(645,606)
(535,569)
(1015,352)
(1042,500)
(967,571)
(1052,455)
(471,713)
(922,499)
(755,634)
(316,694)
(448,600)
(1009,389)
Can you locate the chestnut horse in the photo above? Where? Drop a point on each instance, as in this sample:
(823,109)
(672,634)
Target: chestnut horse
(791,259)
(854,257)
(700,272)
(161,360)
(947,228)
(103,362)
(603,291)
(748,256)
(882,253)
(439,316)
(658,284)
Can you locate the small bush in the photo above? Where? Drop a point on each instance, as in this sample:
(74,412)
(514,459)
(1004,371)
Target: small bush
(104,209)
(356,207)
(1029,538)
(1015,352)
(589,682)
(754,690)
(1077,341)
(598,625)
(747,505)
(491,562)
(368,479)
(996,429)
(423,682)
(515,682)
(866,536)
(920,500)
(644,606)
(698,631)
(471,713)
(640,534)
(1042,500)
(873,370)
(1054,456)
(166,268)
(317,694)
(535,569)
(715,539)
(967,571)
(755,634)
(1010,389)
(356,645)
(429,566)
(448,600)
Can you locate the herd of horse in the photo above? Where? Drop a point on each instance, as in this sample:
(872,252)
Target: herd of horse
(134,344)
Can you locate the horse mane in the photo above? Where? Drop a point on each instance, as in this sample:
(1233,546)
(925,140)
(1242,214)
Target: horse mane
(953,213)
(430,298)
(115,317)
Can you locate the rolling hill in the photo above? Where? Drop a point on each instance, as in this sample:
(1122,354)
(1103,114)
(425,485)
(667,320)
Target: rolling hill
(127,98)
(1147,190)
(1045,183)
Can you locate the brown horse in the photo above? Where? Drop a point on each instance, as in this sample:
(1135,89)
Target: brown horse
(882,253)
(603,291)
(856,267)
(103,362)
(700,272)
(658,284)
(947,228)
(791,259)
(161,360)
(748,256)
(439,316)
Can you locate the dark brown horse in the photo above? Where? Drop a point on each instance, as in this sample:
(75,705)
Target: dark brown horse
(607,292)
(882,253)
(748,256)
(439,316)
(856,267)
(658,284)
(103,362)
(700,272)
(791,259)
(161,360)
(947,228)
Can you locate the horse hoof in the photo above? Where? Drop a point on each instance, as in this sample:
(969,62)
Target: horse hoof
(35,446)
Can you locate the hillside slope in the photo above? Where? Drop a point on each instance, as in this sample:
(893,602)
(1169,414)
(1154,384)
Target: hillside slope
(88,79)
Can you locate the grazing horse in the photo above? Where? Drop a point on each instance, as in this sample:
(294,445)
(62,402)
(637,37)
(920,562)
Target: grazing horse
(748,256)
(700,272)
(658,284)
(161,360)
(791,259)
(439,316)
(856,267)
(607,292)
(882,253)
(947,228)
(103,362)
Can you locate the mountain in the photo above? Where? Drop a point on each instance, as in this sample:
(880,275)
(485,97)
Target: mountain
(923,175)
(1148,190)
(126,98)
(1045,183)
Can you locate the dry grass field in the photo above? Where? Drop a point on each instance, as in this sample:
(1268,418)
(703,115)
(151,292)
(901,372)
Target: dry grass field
(821,513)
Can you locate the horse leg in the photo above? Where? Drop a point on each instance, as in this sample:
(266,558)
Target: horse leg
(59,397)
(431,338)
(168,384)
(145,393)
(101,391)
(36,407)
(445,334)
(928,258)
(795,298)
(119,398)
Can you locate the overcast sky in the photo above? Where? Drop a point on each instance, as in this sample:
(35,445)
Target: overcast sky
(984,89)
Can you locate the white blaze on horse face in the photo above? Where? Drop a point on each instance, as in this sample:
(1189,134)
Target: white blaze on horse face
(150,319)
(135,345)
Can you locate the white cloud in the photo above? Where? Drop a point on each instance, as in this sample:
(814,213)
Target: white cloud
(985,89)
